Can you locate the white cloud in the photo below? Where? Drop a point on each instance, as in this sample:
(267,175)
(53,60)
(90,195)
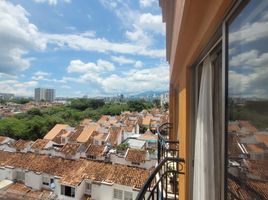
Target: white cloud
(122,60)
(135,81)
(90,67)
(250,32)
(40,75)
(18,88)
(138,64)
(17,36)
(90,43)
(152,22)
(52,2)
(132,81)
(250,58)
(248,74)
(147,3)
(139,36)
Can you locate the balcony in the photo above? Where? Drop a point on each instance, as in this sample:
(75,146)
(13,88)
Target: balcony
(163,183)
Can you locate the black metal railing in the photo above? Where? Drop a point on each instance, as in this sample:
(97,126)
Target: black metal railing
(163,183)
(166,147)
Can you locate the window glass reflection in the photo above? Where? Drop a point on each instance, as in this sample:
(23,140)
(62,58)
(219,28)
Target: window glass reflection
(248,103)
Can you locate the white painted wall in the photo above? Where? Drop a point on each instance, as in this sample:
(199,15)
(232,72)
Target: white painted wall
(121,160)
(8,173)
(33,180)
(6,147)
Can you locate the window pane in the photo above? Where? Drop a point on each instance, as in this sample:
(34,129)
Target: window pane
(248,103)
(118,194)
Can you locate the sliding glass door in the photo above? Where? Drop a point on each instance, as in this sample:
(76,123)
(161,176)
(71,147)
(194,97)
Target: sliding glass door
(247,103)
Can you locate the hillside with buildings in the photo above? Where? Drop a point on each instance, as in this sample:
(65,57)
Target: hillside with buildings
(98,159)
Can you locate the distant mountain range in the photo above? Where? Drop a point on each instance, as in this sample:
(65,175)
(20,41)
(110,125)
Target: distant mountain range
(149,94)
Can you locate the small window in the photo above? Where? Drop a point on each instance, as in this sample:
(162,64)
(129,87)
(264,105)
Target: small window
(127,195)
(88,188)
(92,157)
(67,191)
(135,163)
(118,194)
(46,181)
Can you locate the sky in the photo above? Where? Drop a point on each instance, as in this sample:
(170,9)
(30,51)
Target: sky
(248,52)
(82,47)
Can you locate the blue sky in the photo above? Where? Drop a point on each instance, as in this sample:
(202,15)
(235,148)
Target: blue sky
(82,47)
(248,52)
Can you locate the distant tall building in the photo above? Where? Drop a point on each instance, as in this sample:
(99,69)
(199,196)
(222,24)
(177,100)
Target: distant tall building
(164,98)
(44,94)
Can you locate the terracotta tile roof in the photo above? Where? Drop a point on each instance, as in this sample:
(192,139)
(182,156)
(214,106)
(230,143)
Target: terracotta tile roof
(255,148)
(237,190)
(148,135)
(19,187)
(74,135)
(86,132)
(19,191)
(39,144)
(57,138)
(113,136)
(260,187)
(136,155)
(233,128)
(262,138)
(95,150)
(72,172)
(21,144)
(248,126)
(103,119)
(233,147)
(70,149)
(54,131)
(2,139)
(86,122)
(100,136)
(258,168)
(128,128)
(146,120)
(246,189)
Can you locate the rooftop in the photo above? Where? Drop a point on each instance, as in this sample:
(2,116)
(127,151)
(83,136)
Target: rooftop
(95,150)
(136,155)
(21,144)
(2,139)
(114,132)
(72,172)
(70,149)
(40,144)
(54,131)
(262,137)
(86,132)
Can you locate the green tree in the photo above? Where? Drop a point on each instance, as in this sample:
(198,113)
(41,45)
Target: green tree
(34,112)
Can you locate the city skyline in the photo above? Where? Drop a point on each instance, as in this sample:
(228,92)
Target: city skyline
(69,50)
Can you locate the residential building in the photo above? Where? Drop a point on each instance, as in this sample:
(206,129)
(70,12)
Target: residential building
(6,96)
(164,98)
(218,77)
(26,174)
(44,94)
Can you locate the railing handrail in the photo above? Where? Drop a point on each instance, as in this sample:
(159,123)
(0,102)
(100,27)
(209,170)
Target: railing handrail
(158,131)
(148,182)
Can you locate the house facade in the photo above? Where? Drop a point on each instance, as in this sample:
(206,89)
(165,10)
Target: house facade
(218,76)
